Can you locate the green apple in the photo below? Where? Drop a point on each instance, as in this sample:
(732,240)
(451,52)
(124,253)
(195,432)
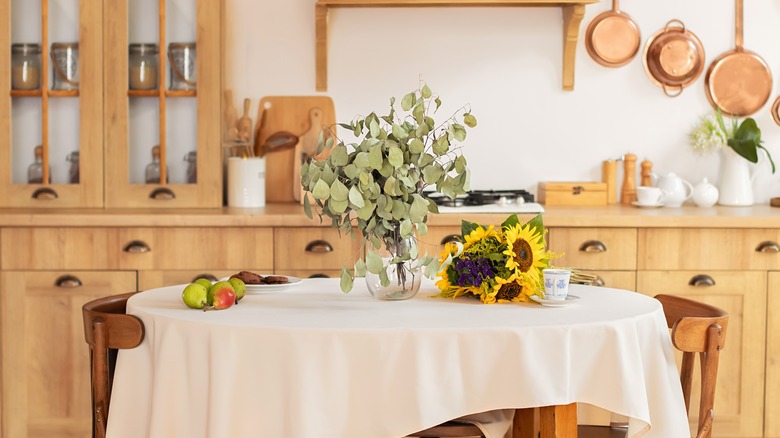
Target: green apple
(195,296)
(215,288)
(239,287)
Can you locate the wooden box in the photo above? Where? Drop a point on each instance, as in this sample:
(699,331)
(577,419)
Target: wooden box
(572,193)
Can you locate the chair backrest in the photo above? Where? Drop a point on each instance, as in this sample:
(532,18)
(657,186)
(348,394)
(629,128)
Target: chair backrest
(697,328)
(107,328)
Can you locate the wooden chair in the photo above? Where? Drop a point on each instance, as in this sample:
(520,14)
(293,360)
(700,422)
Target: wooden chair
(696,328)
(107,328)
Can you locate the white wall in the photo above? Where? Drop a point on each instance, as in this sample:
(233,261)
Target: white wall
(506,63)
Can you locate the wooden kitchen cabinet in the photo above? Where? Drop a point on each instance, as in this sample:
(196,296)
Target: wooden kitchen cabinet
(314,250)
(154,279)
(45,360)
(29,118)
(595,248)
(772,404)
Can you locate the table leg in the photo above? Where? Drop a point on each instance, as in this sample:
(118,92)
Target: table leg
(526,423)
(558,421)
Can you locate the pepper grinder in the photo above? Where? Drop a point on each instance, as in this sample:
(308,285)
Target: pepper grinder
(647,170)
(628,193)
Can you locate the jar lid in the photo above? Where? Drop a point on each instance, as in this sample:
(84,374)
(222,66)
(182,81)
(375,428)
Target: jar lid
(26,48)
(64,46)
(143,49)
(179,46)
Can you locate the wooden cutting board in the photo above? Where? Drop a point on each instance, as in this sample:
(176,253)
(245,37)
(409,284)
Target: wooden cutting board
(292,114)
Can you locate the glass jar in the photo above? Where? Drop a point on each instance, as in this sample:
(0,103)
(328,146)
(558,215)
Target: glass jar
(152,171)
(181,57)
(401,276)
(25,66)
(65,66)
(144,66)
(35,170)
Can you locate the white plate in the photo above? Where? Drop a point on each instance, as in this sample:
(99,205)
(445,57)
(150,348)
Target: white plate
(570,299)
(636,204)
(260,288)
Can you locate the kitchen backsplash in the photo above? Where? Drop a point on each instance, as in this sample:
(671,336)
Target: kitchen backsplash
(507,63)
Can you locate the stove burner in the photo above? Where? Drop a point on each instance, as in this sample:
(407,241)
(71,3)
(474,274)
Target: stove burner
(483,197)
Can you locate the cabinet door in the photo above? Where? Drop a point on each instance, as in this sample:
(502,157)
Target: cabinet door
(45,371)
(60,121)
(179,122)
(739,401)
(772,410)
(594,248)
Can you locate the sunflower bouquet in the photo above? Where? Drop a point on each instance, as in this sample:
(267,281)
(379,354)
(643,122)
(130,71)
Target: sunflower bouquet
(496,265)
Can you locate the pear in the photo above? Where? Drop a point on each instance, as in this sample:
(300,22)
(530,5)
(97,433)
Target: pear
(205,282)
(195,296)
(239,287)
(217,295)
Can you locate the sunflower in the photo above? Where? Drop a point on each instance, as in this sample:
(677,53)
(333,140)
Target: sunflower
(507,290)
(479,234)
(525,251)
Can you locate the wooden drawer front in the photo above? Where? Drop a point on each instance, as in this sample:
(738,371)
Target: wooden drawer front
(322,273)
(196,248)
(739,400)
(433,241)
(45,364)
(594,248)
(725,249)
(616,279)
(314,249)
(154,279)
(59,248)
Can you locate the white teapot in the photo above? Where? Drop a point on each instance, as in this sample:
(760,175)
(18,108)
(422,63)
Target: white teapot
(705,194)
(676,189)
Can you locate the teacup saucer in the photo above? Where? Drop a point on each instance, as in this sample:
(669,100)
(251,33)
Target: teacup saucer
(637,204)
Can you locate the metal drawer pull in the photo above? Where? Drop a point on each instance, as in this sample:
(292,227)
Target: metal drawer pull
(768,246)
(68,281)
(136,247)
(162,194)
(208,277)
(318,276)
(599,282)
(701,280)
(45,194)
(593,246)
(450,239)
(319,247)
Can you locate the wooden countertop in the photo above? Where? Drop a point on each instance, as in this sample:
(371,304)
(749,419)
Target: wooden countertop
(291,215)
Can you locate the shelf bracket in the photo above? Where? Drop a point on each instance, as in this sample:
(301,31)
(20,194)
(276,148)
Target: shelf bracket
(572,17)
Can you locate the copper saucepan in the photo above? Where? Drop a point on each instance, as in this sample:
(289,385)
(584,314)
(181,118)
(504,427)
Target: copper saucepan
(612,38)
(738,82)
(674,58)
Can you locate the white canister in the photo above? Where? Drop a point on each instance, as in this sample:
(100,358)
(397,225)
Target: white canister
(246,182)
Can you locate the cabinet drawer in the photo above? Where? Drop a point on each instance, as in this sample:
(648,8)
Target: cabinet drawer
(726,249)
(615,279)
(59,248)
(314,249)
(594,248)
(196,248)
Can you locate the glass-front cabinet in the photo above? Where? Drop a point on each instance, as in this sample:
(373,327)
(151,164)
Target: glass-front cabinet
(51,97)
(110,103)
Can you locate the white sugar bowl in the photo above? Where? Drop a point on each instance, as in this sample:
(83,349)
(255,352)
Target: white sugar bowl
(705,194)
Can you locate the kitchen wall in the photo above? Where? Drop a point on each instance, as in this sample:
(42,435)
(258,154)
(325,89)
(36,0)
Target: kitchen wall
(506,64)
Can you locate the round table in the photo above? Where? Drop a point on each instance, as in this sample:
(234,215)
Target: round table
(309,361)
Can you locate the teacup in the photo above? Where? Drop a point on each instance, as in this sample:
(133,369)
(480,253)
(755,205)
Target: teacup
(556,283)
(649,195)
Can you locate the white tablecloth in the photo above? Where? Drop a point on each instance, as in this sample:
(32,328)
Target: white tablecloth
(311,361)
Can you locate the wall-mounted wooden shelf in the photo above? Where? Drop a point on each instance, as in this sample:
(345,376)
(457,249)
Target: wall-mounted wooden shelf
(63,93)
(572,12)
(26,93)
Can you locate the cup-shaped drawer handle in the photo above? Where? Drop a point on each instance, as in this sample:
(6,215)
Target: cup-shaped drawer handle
(768,246)
(701,280)
(319,247)
(68,281)
(209,277)
(136,247)
(162,194)
(593,246)
(319,276)
(450,239)
(599,282)
(45,194)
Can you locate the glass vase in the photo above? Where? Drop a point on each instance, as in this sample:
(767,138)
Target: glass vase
(404,276)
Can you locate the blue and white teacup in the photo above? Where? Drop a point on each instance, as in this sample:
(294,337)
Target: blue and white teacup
(556,283)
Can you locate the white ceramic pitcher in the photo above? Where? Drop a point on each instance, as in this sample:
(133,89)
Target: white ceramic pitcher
(676,189)
(735,182)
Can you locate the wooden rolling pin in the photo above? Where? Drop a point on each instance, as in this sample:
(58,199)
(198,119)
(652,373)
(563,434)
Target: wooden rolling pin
(628,192)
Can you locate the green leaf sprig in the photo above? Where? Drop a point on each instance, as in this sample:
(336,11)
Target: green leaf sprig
(377,183)
(745,139)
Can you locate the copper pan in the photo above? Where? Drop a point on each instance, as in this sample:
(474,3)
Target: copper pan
(738,82)
(612,38)
(674,58)
(776,111)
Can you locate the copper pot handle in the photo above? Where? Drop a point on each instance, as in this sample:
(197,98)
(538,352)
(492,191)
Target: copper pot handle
(616,6)
(738,25)
(674,20)
(666,90)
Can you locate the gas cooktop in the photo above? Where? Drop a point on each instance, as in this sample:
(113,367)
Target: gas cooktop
(488,201)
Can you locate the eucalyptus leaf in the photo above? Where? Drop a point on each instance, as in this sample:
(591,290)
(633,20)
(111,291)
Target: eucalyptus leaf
(422,228)
(361,160)
(416,146)
(441,146)
(391,186)
(419,208)
(321,190)
(337,207)
(395,157)
(383,278)
(373,128)
(373,261)
(338,191)
(356,198)
(426,92)
(432,174)
(339,156)
(399,132)
(366,211)
(351,171)
(376,243)
(375,157)
(406,228)
(469,120)
(307,206)
(408,101)
(360,268)
(347,281)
